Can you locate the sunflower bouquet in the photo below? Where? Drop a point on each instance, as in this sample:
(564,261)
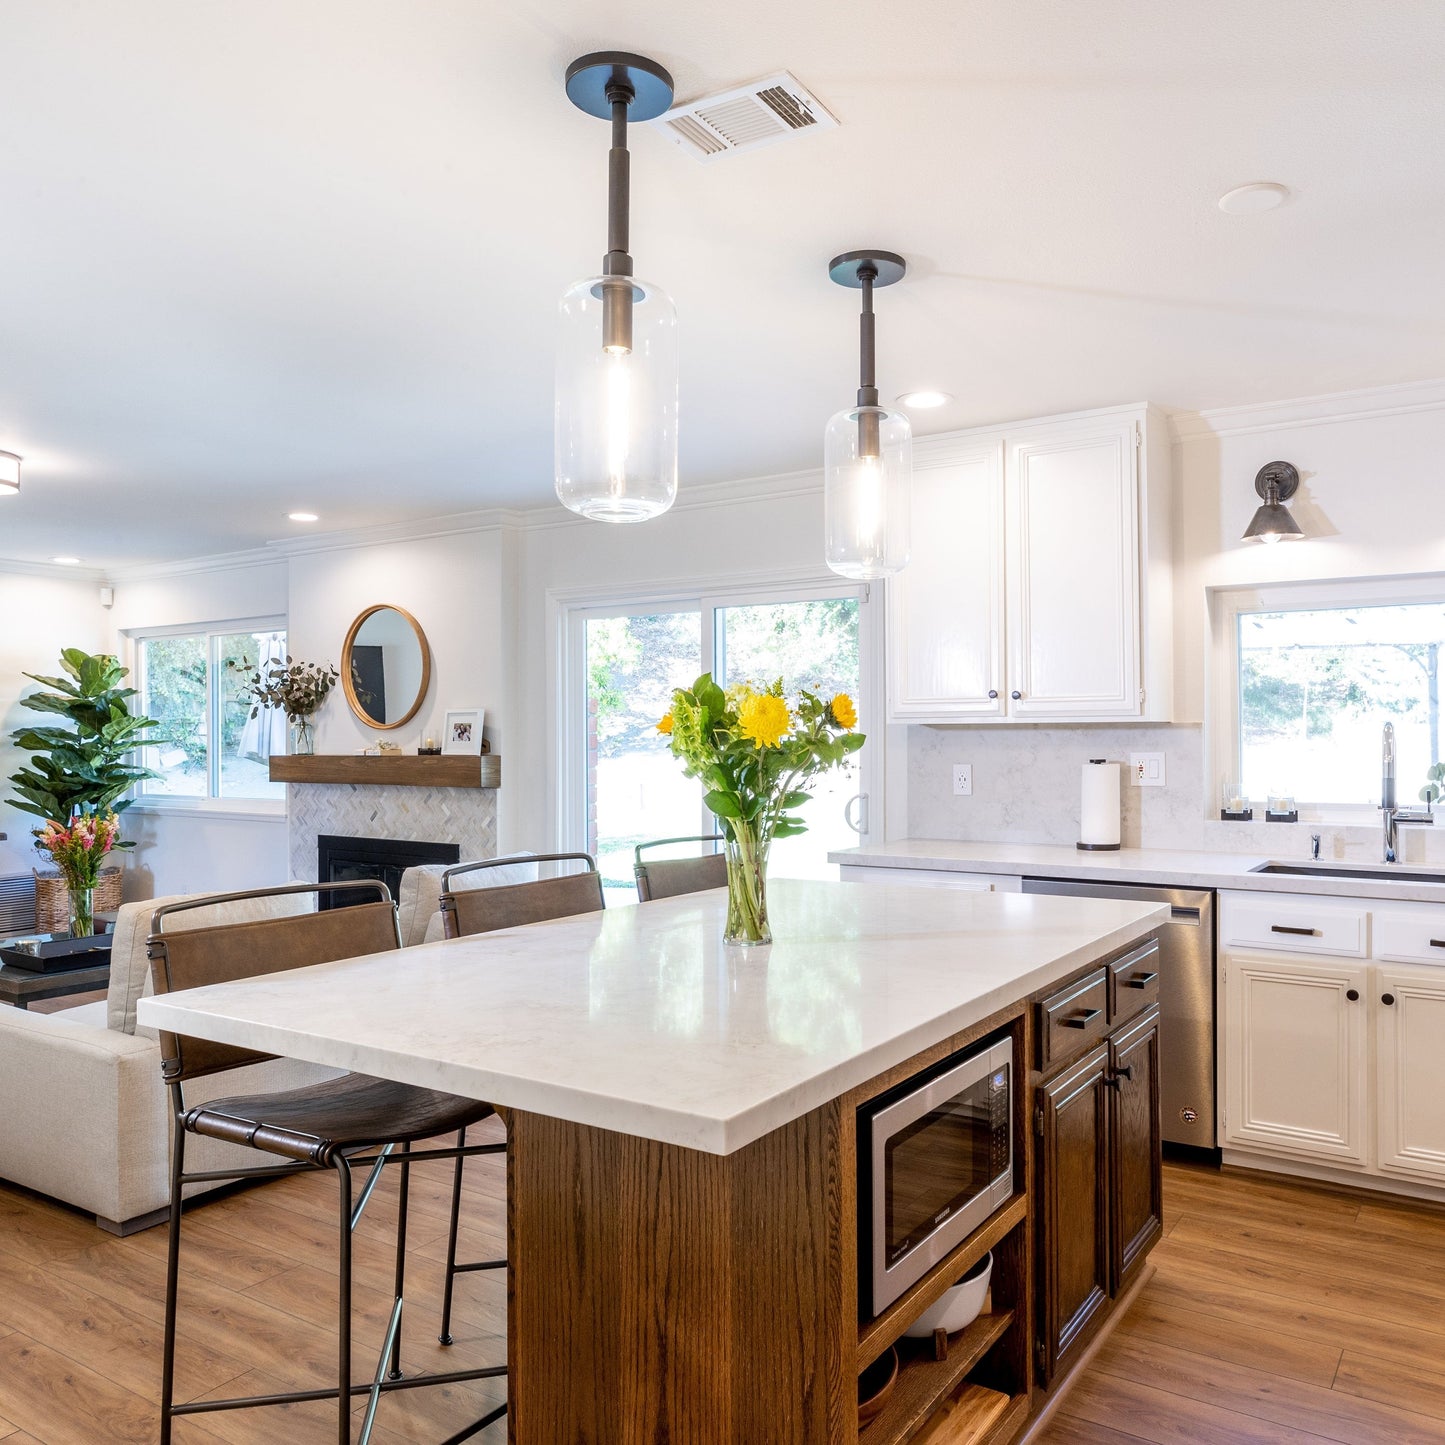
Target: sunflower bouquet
(756,753)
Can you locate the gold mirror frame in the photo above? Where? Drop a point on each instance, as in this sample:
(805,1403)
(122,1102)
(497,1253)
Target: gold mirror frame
(352,701)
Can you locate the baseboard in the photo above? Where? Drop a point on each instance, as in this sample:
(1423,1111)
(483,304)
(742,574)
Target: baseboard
(1062,1386)
(1346,1179)
(123,1227)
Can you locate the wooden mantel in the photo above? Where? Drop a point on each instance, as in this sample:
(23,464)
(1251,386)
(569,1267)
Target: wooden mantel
(396,770)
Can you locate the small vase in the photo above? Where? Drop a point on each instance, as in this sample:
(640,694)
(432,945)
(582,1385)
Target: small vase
(747,857)
(303,737)
(82,910)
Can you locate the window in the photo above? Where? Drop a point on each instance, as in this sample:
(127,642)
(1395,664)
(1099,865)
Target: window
(627,788)
(1315,686)
(208,744)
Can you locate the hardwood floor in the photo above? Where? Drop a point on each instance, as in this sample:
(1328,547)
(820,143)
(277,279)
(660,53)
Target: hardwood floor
(1279,1313)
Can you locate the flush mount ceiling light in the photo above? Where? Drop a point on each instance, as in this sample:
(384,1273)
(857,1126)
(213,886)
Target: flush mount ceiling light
(924,400)
(616,404)
(9,474)
(1257,196)
(66,561)
(1276,484)
(867,451)
(302,517)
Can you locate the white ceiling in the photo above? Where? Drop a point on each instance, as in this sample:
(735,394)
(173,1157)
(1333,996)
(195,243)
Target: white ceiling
(260,255)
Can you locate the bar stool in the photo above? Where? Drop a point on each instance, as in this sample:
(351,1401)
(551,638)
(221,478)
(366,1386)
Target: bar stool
(668,877)
(485,910)
(341,1124)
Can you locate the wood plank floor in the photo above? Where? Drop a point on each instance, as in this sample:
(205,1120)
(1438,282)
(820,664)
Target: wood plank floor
(1279,1313)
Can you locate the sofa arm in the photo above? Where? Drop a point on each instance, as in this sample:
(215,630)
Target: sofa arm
(86,1117)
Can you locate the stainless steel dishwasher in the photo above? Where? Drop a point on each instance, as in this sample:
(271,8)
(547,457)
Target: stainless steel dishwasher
(1186,1001)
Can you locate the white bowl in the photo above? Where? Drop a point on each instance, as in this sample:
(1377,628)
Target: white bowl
(959,1306)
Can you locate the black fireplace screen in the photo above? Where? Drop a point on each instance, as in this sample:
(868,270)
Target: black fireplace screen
(347,860)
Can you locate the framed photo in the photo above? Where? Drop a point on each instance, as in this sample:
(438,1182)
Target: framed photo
(463,731)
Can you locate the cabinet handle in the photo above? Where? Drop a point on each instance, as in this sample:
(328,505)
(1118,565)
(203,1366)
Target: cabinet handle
(993,692)
(1140,980)
(1353,994)
(1083,1020)
(1387,998)
(1016,695)
(1112,1080)
(1303,932)
(1437,943)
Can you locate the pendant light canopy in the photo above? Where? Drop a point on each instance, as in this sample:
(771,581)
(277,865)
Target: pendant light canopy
(9,474)
(867,450)
(1273,522)
(616,405)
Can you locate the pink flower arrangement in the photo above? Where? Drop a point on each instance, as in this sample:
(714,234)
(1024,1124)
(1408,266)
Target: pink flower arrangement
(78,847)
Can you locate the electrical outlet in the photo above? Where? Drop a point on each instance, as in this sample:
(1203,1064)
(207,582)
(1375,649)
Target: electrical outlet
(1146,770)
(962,780)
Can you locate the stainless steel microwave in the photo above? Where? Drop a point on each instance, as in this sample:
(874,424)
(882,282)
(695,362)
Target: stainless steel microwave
(935,1159)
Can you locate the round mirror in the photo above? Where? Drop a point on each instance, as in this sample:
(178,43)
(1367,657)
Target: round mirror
(385,666)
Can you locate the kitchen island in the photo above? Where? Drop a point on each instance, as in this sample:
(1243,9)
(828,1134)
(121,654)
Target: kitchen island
(681,1172)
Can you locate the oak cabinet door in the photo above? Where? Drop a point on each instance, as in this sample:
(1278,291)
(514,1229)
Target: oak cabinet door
(1073,1165)
(1295,1062)
(1136,1147)
(1410,1068)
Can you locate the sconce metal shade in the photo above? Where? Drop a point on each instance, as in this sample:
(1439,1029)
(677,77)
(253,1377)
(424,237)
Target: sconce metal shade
(1273,522)
(9,474)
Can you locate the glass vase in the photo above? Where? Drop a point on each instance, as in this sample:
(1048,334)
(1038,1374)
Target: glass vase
(82,910)
(747,857)
(303,737)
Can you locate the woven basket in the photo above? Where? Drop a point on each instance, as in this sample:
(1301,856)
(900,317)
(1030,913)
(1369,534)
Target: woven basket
(52,898)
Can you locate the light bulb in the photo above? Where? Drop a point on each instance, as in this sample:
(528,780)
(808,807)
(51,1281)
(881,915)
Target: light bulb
(619,419)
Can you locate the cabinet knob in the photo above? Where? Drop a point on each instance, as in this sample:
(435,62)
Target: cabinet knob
(993,692)
(1016,695)
(1387,998)
(1353,994)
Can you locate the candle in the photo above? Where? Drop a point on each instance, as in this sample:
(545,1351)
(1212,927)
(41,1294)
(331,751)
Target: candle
(429,744)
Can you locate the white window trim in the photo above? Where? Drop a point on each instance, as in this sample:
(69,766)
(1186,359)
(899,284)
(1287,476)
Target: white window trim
(565,606)
(1225,605)
(161,804)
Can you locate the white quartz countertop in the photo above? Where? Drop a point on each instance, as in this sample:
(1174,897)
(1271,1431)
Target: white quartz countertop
(1165,867)
(638,1019)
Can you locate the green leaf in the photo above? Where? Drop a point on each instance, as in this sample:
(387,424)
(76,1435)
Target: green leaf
(722,805)
(851,742)
(795,800)
(789,828)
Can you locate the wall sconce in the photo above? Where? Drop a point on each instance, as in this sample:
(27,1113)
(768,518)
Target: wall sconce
(1276,483)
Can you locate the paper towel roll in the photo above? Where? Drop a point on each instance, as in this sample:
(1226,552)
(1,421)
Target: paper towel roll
(1099,805)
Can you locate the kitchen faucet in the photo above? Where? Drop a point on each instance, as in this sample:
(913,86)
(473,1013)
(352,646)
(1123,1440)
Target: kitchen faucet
(1394,816)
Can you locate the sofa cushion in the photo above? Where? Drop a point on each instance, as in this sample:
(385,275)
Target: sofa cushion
(419,898)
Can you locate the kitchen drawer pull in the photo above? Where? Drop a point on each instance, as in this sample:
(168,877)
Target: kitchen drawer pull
(1437,943)
(1285,928)
(1140,980)
(1083,1021)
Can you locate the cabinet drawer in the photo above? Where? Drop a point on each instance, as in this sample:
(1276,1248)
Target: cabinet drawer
(1295,925)
(1414,937)
(1134,982)
(1074,1017)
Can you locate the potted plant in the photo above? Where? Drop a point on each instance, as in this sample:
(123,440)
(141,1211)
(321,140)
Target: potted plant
(296,688)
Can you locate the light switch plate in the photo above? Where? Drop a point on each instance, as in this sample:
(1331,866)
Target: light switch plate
(1146,770)
(963,780)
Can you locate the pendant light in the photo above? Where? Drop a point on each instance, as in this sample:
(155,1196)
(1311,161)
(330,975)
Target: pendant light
(616,403)
(867,450)
(1276,483)
(9,474)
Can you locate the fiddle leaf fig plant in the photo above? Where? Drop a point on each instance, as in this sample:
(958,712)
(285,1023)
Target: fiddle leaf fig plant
(85,766)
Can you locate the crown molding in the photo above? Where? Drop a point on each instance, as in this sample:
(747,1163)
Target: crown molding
(1363,404)
(491,519)
(50,569)
(186,566)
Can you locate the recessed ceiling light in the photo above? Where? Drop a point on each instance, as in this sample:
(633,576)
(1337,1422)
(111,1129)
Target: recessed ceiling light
(924,400)
(302,517)
(66,561)
(1257,196)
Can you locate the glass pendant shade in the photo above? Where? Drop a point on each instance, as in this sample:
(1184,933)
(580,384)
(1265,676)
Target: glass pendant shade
(616,407)
(867,474)
(9,473)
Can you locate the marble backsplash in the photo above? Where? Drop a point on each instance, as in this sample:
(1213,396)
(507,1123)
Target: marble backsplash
(1026,790)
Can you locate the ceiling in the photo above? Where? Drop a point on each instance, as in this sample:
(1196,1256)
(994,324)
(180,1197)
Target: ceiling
(265,255)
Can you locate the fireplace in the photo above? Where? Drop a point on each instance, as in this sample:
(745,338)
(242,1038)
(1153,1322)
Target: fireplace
(346,860)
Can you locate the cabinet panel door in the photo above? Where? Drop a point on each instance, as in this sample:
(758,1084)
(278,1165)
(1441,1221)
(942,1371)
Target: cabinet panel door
(1136,1151)
(1410,1068)
(1073,1164)
(1294,1056)
(1073,574)
(945,609)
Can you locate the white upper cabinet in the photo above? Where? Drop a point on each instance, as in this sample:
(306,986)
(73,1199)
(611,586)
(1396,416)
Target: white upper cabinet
(1040,586)
(946,608)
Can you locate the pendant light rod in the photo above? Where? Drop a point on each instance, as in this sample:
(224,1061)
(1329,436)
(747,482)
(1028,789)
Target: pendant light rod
(617,262)
(867,355)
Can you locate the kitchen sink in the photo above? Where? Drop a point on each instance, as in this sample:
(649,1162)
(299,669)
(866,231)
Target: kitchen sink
(1382,873)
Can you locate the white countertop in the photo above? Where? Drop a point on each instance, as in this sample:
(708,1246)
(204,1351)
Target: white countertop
(1165,867)
(639,1020)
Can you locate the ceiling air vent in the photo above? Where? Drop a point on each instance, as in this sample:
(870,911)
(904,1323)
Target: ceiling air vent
(743,119)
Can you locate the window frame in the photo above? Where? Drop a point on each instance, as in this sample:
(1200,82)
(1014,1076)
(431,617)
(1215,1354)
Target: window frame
(1225,750)
(213,803)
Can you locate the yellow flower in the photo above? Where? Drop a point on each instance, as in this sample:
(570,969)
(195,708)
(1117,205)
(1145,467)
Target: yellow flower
(763,719)
(844,713)
(665,724)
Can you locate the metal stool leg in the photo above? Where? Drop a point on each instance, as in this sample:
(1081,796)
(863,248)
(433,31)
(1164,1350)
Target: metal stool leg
(445,1337)
(173,1276)
(343,1362)
(400,1291)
